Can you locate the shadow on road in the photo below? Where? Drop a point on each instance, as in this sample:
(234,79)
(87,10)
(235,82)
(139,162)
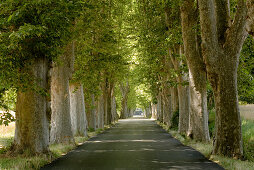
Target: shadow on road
(135,143)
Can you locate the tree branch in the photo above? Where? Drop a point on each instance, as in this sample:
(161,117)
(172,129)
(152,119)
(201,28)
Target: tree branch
(208,31)
(237,33)
(222,18)
(250,17)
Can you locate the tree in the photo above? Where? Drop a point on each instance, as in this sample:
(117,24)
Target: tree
(245,77)
(77,110)
(198,127)
(222,42)
(32,126)
(61,130)
(28,43)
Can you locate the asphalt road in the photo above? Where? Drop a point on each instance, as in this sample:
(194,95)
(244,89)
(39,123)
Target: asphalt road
(133,144)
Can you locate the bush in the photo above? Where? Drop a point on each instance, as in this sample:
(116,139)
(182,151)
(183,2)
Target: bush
(175,120)
(248,139)
(211,122)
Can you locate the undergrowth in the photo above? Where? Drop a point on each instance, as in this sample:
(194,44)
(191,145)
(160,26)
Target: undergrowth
(206,148)
(35,162)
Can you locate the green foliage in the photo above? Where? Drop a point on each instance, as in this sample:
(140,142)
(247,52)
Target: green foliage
(32,29)
(247,134)
(7,104)
(211,122)
(101,46)
(248,139)
(246,72)
(175,120)
(210,97)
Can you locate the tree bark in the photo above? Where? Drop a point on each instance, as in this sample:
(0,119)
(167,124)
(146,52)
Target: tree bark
(77,110)
(250,18)
(184,107)
(174,99)
(32,126)
(91,113)
(113,107)
(198,125)
(221,56)
(100,111)
(154,111)
(109,102)
(183,92)
(166,101)
(159,108)
(125,91)
(61,131)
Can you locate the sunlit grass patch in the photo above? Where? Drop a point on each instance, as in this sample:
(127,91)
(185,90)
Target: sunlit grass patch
(59,150)
(232,164)
(227,163)
(247,111)
(22,162)
(248,139)
(36,162)
(80,139)
(6,137)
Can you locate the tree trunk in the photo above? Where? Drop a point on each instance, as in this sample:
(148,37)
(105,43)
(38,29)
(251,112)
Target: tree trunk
(183,91)
(148,112)
(227,110)
(167,113)
(159,108)
(131,112)
(77,110)
(221,52)
(100,112)
(109,102)
(184,108)
(174,99)
(91,113)
(250,18)
(113,108)
(32,126)
(154,111)
(61,131)
(198,125)
(125,91)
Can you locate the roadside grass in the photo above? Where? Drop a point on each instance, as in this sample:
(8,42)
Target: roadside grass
(248,139)
(206,148)
(21,162)
(247,111)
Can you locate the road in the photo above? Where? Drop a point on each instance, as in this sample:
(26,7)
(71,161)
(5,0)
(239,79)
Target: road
(133,144)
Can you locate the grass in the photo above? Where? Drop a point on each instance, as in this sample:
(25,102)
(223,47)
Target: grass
(6,137)
(227,163)
(248,139)
(21,162)
(247,111)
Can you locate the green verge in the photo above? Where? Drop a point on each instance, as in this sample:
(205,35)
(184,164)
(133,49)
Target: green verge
(36,162)
(225,162)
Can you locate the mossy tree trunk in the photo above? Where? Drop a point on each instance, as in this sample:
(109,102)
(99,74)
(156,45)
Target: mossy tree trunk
(222,42)
(125,90)
(32,126)
(61,130)
(182,89)
(77,110)
(198,125)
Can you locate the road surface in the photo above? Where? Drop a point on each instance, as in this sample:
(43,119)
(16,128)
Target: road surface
(133,144)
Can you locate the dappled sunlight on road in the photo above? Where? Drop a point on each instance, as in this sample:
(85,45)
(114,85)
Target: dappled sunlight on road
(136,143)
